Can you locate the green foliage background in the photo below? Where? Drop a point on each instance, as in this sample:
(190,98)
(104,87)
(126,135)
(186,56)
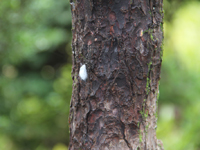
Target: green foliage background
(35,77)
(36,85)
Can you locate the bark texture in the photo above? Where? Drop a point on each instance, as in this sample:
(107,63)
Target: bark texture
(120,41)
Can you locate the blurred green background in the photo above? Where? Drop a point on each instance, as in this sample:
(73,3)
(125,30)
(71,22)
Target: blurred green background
(35,76)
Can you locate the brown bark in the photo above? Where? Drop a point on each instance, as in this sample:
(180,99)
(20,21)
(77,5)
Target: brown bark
(120,41)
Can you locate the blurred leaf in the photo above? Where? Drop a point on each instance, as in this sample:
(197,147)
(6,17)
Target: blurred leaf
(60,147)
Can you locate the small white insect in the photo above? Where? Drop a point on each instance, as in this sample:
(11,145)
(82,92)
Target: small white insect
(83,72)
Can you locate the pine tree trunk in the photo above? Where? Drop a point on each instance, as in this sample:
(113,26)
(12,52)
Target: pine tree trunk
(120,42)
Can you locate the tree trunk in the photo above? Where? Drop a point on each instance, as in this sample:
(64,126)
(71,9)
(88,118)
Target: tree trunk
(114,101)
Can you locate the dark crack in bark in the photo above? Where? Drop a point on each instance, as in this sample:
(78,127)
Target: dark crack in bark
(124,137)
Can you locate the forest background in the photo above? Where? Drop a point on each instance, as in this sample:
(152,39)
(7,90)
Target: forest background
(35,75)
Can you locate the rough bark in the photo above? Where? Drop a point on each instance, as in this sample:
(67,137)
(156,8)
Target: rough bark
(120,41)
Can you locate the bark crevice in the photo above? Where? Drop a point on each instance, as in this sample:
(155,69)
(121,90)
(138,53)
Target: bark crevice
(124,137)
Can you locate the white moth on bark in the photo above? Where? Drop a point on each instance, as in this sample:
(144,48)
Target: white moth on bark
(83,72)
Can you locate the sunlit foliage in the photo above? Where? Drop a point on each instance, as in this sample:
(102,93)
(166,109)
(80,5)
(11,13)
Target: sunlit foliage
(179,112)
